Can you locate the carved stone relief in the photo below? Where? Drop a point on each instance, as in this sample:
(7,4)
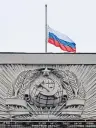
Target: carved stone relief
(54,91)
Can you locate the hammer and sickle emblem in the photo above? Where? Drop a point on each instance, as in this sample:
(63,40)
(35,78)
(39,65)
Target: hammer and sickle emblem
(47,90)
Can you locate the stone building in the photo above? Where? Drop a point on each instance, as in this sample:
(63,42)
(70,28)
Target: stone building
(47,88)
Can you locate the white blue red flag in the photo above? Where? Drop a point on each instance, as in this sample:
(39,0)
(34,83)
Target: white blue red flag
(60,40)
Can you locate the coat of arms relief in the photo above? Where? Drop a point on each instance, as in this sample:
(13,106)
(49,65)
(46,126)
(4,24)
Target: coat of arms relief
(47,91)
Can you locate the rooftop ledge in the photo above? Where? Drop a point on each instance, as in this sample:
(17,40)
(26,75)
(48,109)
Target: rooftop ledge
(47,58)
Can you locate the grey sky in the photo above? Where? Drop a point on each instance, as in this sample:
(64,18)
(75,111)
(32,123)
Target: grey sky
(22,24)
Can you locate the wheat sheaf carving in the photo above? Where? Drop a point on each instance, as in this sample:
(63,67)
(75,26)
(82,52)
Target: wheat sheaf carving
(71,83)
(22,82)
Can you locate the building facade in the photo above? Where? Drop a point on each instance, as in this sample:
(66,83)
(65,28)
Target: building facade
(43,89)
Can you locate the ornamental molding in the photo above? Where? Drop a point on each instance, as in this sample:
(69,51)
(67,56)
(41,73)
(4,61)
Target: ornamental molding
(47,91)
(41,91)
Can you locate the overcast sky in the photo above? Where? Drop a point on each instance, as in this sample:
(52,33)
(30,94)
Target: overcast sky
(22,24)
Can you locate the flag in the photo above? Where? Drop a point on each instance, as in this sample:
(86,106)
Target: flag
(60,40)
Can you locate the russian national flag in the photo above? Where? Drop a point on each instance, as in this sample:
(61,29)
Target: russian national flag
(60,40)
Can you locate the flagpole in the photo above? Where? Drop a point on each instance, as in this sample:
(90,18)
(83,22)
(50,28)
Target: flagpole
(45,28)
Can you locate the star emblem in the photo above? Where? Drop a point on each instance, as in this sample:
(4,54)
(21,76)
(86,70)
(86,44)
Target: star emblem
(46,72)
